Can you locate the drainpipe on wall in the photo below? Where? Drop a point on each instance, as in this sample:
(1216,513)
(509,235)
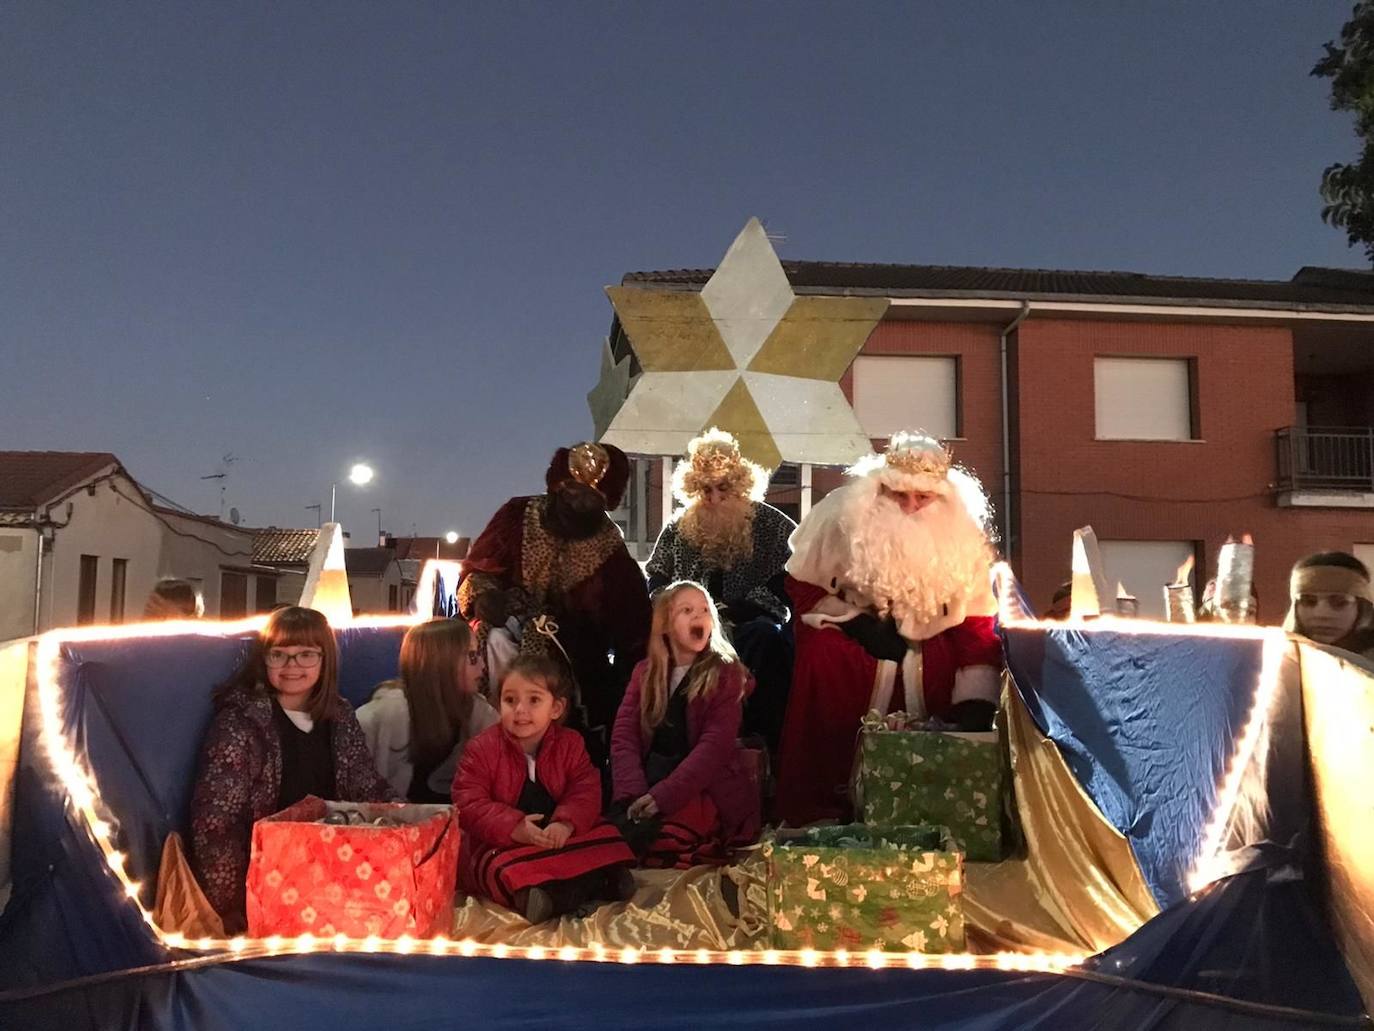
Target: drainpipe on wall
(38,578)
(1006,428)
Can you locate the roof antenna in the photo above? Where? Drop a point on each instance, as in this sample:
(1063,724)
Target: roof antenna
(775,236)
(228,459)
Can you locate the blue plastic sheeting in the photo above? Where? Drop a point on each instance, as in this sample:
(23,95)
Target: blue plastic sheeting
(138,709)
(1258,936)
(422,993)
(1147,723)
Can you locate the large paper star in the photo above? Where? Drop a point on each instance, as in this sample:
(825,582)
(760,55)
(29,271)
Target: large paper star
(608,395)
(745,354)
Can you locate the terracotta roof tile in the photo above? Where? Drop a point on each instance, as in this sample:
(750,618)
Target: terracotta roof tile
(274,546)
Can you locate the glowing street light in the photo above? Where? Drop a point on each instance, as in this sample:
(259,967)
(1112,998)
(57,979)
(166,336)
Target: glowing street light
(359,475)
(451,537)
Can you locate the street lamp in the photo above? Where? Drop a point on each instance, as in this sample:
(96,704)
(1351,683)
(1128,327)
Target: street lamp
(360,475)
(451,537)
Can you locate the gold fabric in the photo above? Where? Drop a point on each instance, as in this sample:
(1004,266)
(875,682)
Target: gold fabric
(1077,889)
(681,909)
(181,905)
(1078,886)
(1338,709)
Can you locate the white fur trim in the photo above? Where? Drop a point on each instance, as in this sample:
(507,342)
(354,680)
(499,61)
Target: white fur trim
(914,682)
(981,683)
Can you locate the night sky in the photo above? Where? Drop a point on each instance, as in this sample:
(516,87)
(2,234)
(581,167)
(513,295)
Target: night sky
(309,234)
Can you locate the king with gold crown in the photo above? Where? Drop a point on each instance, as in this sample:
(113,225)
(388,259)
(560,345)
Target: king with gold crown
(890,580)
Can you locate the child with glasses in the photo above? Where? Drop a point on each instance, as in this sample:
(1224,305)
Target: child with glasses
(1332,602)
(418,725)
(281,731)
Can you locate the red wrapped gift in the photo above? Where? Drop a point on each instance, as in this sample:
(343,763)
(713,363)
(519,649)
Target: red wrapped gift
(355,878)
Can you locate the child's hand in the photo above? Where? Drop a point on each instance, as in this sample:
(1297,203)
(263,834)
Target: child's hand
(528,831)
(643,808)
(556,834)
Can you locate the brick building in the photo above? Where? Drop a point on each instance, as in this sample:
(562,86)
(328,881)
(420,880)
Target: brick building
(1166,412)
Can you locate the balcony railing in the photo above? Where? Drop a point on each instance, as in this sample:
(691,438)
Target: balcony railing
(1325,458)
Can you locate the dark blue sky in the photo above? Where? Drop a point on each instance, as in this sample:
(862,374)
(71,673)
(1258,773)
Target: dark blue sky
(312,233)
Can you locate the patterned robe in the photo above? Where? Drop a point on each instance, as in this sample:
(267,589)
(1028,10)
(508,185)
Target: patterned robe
(756,608)
(592,588)
(756,582)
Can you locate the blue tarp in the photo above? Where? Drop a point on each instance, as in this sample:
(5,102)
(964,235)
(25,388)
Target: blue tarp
(1147,724)
(1146,721)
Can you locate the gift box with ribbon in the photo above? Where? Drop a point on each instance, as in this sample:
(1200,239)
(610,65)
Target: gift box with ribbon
(354,868)
(941,777)
(856,887)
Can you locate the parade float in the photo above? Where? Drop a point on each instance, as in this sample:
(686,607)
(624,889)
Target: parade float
(1178,836)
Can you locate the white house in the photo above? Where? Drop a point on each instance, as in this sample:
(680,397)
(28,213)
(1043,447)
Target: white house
(82,542)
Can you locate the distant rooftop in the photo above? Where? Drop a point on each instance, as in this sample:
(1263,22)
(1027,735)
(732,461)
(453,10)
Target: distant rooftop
(1311,287)
(368,561)
(29,479)
(277,547)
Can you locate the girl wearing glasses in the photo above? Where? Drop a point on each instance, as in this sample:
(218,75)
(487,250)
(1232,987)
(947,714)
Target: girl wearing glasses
(417,726)
(1332,602)
(280,731)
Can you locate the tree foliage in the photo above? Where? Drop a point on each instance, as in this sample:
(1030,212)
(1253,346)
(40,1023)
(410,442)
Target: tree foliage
(1348,189)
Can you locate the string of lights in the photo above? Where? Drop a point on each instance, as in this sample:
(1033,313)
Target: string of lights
(102,825)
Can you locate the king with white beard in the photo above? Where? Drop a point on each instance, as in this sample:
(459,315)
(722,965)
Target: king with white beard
(890,579)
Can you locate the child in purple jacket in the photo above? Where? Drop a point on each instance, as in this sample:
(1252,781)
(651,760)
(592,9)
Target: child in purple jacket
(681,785)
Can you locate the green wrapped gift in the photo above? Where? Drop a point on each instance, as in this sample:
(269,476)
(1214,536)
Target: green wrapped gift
(858,888)
(945,778)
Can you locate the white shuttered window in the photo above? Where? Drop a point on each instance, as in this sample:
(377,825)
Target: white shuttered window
(1144,567)
(894,393)
(1143,398)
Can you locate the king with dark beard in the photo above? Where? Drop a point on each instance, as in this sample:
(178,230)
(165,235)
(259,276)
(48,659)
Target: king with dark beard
(728,540)
(891,579)
(551,575)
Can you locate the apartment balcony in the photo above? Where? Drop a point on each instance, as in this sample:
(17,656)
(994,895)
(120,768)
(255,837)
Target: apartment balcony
(1325,466)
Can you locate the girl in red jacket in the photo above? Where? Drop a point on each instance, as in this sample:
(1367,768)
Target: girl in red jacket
(678,772)
(529,805)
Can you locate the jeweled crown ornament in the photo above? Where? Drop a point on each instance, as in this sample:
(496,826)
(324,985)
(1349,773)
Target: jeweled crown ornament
(917,454)
(587,463)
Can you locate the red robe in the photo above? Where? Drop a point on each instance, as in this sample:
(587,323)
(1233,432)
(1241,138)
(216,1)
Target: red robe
(487,787)
(832,685)
(592,588)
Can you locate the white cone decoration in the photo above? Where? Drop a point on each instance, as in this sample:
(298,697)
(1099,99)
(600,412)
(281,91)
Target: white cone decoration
(326,581)
(1090,587)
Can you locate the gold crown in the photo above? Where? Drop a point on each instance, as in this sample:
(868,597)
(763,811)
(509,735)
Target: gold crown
(588,463)
(716,457)
(918,456)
